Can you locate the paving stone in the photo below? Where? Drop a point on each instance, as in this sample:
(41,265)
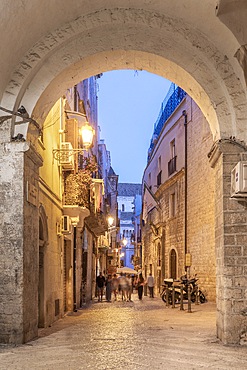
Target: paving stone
(128,335)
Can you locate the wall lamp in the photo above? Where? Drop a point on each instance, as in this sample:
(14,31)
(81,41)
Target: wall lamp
(111,227)
(87,133)
(110,220)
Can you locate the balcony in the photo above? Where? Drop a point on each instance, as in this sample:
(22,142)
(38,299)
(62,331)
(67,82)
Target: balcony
(172,100)
(77,189)
(77,185)
(172,166)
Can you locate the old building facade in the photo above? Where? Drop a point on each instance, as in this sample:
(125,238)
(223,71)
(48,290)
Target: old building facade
(68,43)
(178,231)
(70,199)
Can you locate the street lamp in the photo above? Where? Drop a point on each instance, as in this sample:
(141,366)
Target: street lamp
(110,220)
(66,150)
(87,133)
(124,242)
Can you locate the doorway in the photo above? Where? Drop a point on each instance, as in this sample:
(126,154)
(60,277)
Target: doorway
(173,264)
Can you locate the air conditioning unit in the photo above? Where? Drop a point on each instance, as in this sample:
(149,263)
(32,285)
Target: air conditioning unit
(66,224)
(239,180)
(66,159)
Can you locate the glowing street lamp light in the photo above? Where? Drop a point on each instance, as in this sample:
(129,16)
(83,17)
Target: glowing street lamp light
(124,242)
(87,133)
(110,220)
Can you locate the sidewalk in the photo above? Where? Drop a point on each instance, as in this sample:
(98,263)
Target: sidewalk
(128,336)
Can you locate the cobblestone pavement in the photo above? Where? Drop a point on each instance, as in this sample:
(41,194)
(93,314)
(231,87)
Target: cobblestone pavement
(128,335)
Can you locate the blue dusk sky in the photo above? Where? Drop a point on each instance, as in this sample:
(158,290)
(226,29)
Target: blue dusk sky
(129,103)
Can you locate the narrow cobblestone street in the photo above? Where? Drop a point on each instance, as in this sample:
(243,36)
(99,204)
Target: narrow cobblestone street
(128,335)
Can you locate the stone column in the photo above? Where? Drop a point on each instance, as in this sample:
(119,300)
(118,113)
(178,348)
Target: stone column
(19,238)
(231,245)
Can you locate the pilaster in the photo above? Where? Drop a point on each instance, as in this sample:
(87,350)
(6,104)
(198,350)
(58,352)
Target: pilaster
(231,245)
(18,240)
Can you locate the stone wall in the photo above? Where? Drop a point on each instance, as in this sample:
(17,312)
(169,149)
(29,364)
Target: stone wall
(171,229)
(11,243)
(201,187)
(18,240)
(31,244)
(231,249)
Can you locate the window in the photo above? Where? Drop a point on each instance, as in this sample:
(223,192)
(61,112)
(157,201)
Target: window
(160,172)
(159,163)
(172,162)
(172,166)
(122,207)
(159,179)
(172,149)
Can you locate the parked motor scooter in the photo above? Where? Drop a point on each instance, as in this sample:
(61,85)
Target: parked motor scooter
(168,287)
(194,289)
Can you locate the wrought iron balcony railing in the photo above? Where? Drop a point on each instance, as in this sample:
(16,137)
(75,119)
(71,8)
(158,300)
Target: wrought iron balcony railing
(170,103)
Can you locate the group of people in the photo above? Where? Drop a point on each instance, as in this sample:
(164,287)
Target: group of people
(122,286)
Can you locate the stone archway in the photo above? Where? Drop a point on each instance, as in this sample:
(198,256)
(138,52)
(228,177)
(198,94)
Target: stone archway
(71,53)
(172,41)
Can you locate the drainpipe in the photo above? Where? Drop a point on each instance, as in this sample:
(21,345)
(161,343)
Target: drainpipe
(185,182)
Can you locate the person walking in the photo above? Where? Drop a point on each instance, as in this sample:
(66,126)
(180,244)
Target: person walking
(100,282)
(108,285)
(140,284)
(150,284)
(123,286)
(129,288)
(115,284)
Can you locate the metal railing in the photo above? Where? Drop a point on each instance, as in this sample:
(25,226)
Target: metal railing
(170,103)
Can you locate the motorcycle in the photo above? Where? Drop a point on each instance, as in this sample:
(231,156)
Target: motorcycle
(194,289)
(168,287)
(168,283)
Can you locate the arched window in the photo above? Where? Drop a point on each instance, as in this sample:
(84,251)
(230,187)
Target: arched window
(173,264)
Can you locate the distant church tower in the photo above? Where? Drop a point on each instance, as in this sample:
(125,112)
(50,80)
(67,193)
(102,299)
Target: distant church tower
(126,196)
